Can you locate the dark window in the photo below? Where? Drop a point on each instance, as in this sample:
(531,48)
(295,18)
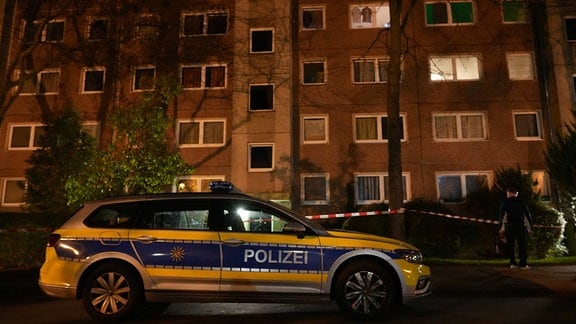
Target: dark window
(31,31)
(261,97)
(313,72)
(98,29)
(190,215)
(261,157)
(55,31)
(93,81)
(193,25)
(144,79)
(113,216)
(570,24)
(217,24)
(312,18)
(262,41)
(205,24)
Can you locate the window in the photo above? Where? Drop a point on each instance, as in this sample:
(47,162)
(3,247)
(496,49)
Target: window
(213,23)
(570,25)
(374,128)
(25,136)
(93,80)
(31,31)
(92,129)
(97,28)
(261,97)
(514,11)
(313,18)
(454,187)
(261,157)
(313,72)
(373,188)
(449,13)
(527,126)
(144,78)
(176,215)
(370,70)
(115,216)
(459,127)
(53,31)
(243,216)
(314,129)
(454,67)
(541,185)
(370,15)
(261,41)
(46,82)
(196,183)
(315,189)
(520,66)
(147,26)
(13,191)
(209,132)
(204,77)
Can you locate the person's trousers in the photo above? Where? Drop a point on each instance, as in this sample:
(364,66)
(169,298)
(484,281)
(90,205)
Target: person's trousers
(516,233)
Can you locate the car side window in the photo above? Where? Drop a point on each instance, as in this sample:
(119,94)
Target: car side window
(113,216)
(175,216)
(251,217)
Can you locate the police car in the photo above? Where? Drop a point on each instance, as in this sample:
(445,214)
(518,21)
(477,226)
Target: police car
(122,254)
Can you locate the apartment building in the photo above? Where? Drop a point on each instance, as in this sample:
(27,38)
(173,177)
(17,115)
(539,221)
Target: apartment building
(287,99)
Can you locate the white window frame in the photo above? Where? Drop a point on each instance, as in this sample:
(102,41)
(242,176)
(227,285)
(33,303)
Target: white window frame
(380,136)
(4,189)
(382,187)
(252,30)
(205,26)
(526,63)
(456,67)
(83,81)
(202,123)
(253,145)
(142,68)
(313,61)
(379,18)
(450,17)
(538,125)
(303,178)
(38,83)
(463,185)
(31,140)
(313,8)
(378,78)
(204,68)
(459,127)
(523,20)
(303,129)
(180,183)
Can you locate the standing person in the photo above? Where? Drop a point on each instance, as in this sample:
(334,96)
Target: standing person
(515,223)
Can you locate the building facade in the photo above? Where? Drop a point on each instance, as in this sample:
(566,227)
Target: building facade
(287,99)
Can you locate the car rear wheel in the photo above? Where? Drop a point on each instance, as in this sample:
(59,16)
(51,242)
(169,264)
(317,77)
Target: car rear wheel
(366,290)
(112,291)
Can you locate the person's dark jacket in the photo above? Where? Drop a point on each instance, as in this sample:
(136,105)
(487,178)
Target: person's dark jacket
(514,210)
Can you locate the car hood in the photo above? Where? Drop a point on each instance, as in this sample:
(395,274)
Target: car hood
(349,235)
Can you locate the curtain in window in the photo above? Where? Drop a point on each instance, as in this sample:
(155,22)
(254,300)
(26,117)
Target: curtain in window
(441,69)
(191,77)
(475,182)
(314,129)
(382,72)
(215,77)
(367,15)
(214,133)
(445,127)
(450,188)
(526,125)
(472,127)
(356,15)
(368,188)
(189,133)
(520,66)
(364,71)
(366,128)
(467,68)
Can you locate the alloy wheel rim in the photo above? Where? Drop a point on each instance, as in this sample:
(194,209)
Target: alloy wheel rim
(365,292)
(110,293)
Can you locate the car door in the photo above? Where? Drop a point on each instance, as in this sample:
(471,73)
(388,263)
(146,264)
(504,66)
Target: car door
(174,244)
(258,256)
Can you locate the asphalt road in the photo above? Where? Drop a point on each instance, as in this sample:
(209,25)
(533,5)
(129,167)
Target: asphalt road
(469,294)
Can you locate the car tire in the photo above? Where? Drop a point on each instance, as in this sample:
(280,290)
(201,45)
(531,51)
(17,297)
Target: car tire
(113,291)
(365,290)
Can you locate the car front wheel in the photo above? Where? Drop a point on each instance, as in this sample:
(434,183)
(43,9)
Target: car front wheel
(365,290)
(112,291)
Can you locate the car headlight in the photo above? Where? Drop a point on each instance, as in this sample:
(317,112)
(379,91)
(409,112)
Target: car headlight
(411,256)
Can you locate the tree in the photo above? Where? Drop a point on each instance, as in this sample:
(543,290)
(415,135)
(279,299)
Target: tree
(559,159)
(65,149)
(138,160)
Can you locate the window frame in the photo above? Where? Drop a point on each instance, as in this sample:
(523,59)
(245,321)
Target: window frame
(272,43)
(326,200)
(454,62)
(511,2)
(543,186)
(86,70)
(38,83)
(304,9)
(201,128)
(378,78)
(570,33)
(205,23)
(90,21)
(383,187)
(449,13)
(459,128)
(250,97)
(135,74)
(515,75)
(325,118)
(381,137)
(203,75)
(32,136)
(4,190)
(463,184)
(538,117)
(250,153)
(375,16)
(303,64)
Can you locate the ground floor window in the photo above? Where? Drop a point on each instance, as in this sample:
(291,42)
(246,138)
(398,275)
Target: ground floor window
(453,187)
(13,190)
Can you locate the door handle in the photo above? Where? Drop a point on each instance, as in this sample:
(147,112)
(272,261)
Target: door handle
(146,239)
(233,242)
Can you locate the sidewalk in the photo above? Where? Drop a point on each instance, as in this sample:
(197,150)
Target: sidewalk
(19,284)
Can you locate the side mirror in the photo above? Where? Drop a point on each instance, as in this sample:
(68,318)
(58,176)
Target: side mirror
(296,228)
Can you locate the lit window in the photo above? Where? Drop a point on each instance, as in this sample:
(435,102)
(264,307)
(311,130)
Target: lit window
(374,128)
(26,136)
(97,28)
(261,97)
(454,67)
(520,66)
(541,184)
(454,187)
(93,80)
(315,189)
(313,72)
(144,78)
(261,41)
(204,77)
(13,192)
(527,126)
(370,15)
(449,13)
(459,127)
(313,18)
(514,11)
(201,133)
(370,70)
(261,157)
(213,23)
(196,183)
(371,188)
(314,129)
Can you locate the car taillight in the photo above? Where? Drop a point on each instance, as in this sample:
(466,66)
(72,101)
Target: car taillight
(53,240)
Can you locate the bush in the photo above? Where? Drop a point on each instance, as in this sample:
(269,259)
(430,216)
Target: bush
(22,250)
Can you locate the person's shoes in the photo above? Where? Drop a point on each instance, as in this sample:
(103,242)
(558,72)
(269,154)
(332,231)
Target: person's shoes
(513,266)
(526,267)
